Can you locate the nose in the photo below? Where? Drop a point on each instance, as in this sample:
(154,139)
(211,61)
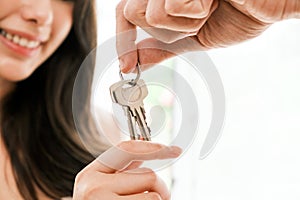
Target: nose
(38,11)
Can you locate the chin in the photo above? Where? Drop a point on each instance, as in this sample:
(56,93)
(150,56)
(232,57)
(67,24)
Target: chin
(16,76)
(14,70)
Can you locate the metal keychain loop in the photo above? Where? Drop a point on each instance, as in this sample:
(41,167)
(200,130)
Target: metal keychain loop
(133,81)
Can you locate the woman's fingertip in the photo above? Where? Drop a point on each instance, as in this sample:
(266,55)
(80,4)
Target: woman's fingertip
(176,151)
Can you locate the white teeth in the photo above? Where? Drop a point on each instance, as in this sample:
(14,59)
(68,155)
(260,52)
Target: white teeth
(9,36)
(30,44)
(16,39)
(23,42)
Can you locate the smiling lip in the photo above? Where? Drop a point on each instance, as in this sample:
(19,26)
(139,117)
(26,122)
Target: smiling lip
(20,43)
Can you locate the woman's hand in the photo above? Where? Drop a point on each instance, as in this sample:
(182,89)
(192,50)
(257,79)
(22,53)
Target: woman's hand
(116,174)
(179,26)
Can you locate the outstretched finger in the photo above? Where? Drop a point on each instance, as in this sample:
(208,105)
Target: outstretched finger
(148,196)
(120,157)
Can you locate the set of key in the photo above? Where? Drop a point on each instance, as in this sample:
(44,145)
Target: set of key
(130,95)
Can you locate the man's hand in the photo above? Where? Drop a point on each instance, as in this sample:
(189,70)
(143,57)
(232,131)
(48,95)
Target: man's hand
(178,26)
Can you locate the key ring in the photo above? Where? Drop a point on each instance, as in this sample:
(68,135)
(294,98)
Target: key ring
(133,81)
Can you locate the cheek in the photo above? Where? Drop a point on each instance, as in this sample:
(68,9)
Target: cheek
(62,24)
(7,6)
(13,69)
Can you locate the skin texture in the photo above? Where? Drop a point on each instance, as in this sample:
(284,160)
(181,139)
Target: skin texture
(179,26)
(116,173)
(36,19)
(50,21)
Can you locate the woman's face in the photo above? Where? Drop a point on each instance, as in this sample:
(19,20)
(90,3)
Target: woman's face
(30,31)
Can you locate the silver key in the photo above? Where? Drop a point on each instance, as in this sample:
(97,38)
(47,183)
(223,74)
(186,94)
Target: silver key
(135,95)
(117,98)
(131,120)
(131,98)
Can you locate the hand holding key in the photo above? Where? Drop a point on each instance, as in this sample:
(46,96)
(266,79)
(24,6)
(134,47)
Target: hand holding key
(176,28)
(116,174)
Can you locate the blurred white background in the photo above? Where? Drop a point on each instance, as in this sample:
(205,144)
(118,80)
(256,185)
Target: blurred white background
(258,156)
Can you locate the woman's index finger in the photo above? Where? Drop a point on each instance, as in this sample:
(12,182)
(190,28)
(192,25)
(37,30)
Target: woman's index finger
(119,157)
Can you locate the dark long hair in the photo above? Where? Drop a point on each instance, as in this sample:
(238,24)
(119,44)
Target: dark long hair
(37,124)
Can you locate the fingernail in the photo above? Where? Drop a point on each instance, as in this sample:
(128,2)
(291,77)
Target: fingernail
(122,65)
(124,68)
(127,70)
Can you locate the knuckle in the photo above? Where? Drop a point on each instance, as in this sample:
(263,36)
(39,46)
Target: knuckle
(120,7)
(202,9)
(196,25)
(151,21)
(154,19)
(155,146)
(92,192)
(128,14)
(173,7)
(193,9)
(86,188)
(126,9)
(201,13)
(130,11)
(126,146)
